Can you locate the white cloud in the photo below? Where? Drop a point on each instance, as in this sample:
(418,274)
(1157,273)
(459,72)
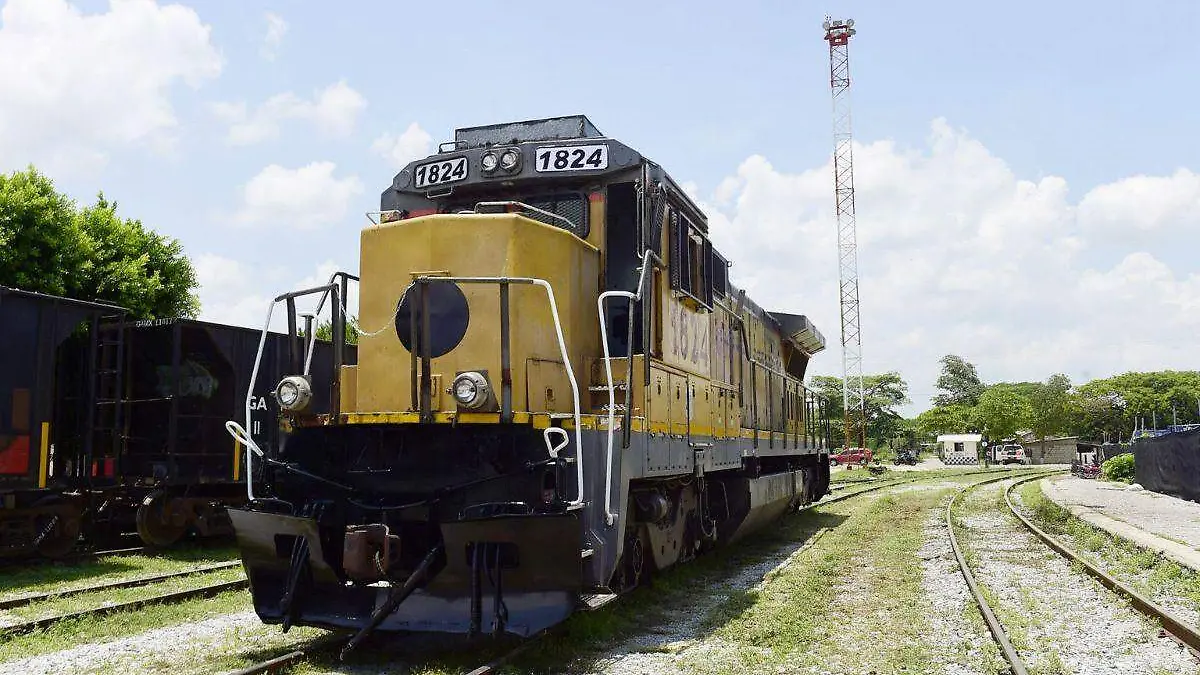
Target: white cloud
(77,86)
(957,254)
(334,110)
(305,197)
(276,29)
(414,143)
(1142,203)
(226,296)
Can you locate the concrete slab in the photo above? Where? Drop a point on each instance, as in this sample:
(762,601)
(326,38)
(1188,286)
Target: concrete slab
(1151,520)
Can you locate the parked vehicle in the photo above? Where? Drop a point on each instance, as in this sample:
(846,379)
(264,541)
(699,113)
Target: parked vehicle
(1009,453)
(861,456)
(906,456)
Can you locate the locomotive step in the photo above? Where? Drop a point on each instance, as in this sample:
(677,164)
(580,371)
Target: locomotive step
(594,601)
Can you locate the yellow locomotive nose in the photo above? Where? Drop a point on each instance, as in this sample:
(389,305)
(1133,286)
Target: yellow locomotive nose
(465,319)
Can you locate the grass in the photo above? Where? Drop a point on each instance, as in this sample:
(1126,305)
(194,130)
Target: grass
(46,577)
(1145,570)
(83,601)
(99,629)
(855,604)
(893,579)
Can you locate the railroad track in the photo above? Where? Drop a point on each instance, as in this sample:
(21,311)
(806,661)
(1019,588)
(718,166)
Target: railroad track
(334,642)
(174,596)
(331,644)
(1172,625)
(25,600)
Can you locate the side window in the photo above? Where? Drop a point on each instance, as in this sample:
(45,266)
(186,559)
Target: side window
(720,275)
(691,259)
(958,447)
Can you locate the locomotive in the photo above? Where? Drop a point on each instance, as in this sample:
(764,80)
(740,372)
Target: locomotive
(558,393)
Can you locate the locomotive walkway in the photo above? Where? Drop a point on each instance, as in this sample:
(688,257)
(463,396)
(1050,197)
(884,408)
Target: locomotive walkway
(1152,520)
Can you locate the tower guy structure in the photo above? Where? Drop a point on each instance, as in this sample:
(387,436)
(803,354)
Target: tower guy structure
(838,34)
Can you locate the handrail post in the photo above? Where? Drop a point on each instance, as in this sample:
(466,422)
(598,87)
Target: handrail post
(506,383)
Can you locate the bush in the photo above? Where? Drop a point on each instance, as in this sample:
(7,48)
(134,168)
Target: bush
(1119,468)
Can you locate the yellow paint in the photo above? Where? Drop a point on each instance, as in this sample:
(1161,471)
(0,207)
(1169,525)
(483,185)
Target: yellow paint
(237,459)
(44,464)
(479,245)
(348,387)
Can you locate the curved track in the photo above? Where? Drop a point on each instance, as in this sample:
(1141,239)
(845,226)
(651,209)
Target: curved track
(1188,635)
(1181,631)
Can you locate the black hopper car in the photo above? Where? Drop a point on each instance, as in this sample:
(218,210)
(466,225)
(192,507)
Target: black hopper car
(109,426)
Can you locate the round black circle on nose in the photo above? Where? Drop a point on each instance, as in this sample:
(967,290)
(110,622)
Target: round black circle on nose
(448,317)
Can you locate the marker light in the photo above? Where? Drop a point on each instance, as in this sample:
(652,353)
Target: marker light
(489,161)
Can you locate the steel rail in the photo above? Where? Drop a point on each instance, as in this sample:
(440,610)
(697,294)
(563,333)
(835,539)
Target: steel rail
(176,596)
(332,642)
(1007,650)
(23,600)
(1171,623)
(321,644)
(886,483)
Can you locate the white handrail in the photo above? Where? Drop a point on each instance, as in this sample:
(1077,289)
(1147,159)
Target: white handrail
(562,348)
(243,436)
(239,433)
(609,516)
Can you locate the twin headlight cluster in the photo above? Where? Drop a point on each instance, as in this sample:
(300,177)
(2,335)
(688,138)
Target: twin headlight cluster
(504,159)
(470,389)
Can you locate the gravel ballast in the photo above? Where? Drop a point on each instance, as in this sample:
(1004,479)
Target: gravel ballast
(1059,619)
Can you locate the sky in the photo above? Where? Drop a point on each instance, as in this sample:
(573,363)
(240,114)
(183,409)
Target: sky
(1027,174)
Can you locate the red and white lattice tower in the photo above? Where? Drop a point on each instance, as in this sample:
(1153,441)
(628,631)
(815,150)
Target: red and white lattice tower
(838,34)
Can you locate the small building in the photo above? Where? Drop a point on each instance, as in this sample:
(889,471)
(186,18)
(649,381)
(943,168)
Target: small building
(1057,450)
(959,448)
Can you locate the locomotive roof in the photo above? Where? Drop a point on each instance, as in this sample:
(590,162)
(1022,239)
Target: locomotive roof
(546,129)
(623,163)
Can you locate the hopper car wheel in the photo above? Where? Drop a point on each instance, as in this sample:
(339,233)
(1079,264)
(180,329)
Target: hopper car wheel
(158,523)
(61,528)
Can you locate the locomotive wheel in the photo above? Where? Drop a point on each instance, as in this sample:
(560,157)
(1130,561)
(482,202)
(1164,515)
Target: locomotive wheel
(159,524)
(61,530)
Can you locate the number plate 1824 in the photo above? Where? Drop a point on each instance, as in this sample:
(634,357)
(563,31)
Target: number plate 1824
(441,171)
(571,158)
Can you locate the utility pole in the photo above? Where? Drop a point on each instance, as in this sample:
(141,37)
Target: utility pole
(838,34)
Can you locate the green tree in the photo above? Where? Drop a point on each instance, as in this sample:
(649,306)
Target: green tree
(1002,410)
(882,394)
(41,242)
(1110,407)
(50,245)
(959,383)
(947,419)
(1050,406)
(325,331)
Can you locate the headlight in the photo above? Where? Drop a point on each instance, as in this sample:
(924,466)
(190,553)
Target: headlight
(470,390)
(293,393)
(489,161)
(509,160)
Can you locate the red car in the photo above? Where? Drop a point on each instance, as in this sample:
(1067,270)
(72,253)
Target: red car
(861,456)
